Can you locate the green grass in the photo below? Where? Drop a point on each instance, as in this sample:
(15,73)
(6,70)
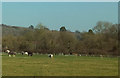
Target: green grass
(41,65)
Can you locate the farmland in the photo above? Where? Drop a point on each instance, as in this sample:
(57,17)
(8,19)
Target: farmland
(60,65)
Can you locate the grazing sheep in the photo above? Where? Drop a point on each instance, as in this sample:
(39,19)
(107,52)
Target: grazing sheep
(11,54)
(50,55)
(26,53)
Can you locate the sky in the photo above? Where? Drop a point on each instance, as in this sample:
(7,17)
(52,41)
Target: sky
(60,0)
(74,16)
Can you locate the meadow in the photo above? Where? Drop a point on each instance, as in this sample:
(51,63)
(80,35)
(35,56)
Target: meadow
(60,65)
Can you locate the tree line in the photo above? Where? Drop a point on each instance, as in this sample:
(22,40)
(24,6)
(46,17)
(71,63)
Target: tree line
(102,39)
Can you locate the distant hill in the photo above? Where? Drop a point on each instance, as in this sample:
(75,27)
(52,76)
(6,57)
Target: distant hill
(14,30)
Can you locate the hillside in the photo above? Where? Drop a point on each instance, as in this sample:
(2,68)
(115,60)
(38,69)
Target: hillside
(14,30)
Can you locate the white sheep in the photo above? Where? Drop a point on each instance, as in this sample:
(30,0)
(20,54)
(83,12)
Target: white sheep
(26,53)
(7,51)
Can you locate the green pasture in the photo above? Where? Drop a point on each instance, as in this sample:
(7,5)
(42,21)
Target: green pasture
(42,65)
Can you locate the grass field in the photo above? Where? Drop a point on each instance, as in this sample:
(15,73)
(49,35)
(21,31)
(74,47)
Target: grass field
(41,65)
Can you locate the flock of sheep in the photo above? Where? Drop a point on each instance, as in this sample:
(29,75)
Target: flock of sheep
(10,53)
(13,54)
